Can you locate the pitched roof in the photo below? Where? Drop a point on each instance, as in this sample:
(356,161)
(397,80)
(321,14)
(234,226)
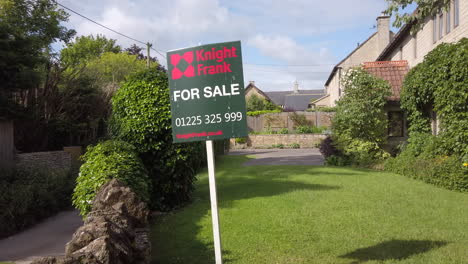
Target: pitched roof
(297,102)
(252,86)
(392,71)
(279,97)
(337,66)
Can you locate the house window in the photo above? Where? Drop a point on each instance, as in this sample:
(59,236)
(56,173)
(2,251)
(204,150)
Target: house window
(447,23)
(456,13)
(434,29)
(401,53)
(441,26)
(395,124)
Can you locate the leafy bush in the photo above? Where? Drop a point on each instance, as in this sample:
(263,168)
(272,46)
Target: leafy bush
(422,159)
(27,196)
(294,145)
(261,112)
(325,109)
(283,131)
(309,130)
(327,148)
(360,123)
(335,160)
(255,103)
(141,116)
(361,152)
(280,146)
(241,140)
(299,120)
(108,160)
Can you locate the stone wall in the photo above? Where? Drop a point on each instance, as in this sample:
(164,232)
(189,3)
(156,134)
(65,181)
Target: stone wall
(277,121)
(114,232)
(51,160)
(266,141)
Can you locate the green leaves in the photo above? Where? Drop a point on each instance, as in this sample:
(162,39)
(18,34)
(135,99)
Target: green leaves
(440,84)
(141,116)
(105,161)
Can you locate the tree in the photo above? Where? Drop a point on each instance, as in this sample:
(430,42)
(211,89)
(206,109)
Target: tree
(426,8)
(360,123)
(27,28)
(255,103)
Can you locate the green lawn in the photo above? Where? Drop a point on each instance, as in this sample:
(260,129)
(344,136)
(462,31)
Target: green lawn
(303,214)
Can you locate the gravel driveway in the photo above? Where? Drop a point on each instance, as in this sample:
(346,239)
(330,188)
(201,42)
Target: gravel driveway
(281,156)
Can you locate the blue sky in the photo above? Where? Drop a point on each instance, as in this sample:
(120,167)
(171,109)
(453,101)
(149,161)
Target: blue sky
(273,33)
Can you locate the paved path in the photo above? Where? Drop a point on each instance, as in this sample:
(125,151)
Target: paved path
(281,156)
(46,238)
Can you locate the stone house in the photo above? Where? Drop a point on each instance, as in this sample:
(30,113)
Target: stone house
(383,45)
(292,100)
(369,50)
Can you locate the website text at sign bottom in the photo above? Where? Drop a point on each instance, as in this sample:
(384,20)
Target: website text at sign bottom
(202,134)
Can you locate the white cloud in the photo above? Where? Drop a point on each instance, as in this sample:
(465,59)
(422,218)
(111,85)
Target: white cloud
(275,29)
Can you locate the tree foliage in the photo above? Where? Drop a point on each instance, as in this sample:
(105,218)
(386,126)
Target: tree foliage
(27,28)
(360,112)
(255,103)
(141,116)
(360,123)
(426,8)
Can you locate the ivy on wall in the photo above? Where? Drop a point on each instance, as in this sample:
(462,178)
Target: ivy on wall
(440,84)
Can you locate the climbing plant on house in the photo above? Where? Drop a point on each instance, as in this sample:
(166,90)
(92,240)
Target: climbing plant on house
(437,85)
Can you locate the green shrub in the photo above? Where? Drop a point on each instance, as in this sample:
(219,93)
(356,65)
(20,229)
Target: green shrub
(255,103)
(361,152)
(261,112)
(280,146)
(335,160)
(111,159)
(309,130)
(422,159)
(241,140)
(294,145)
(299,120)
(283,131)
(141,116)
(325,109)
(27,196)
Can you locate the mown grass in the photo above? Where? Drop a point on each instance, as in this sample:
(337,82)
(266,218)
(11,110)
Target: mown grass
(305,214)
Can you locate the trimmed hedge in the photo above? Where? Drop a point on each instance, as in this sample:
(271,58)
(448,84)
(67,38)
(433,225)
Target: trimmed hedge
(108,160)
(261,112)
(141,116)
(28,196)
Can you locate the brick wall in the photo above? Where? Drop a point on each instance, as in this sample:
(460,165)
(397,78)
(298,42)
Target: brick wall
(265,141)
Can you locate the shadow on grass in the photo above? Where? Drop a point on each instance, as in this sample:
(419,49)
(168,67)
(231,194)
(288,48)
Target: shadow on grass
(176,238)
(393,250)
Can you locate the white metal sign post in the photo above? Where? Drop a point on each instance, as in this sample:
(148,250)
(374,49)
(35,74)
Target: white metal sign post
(214,202)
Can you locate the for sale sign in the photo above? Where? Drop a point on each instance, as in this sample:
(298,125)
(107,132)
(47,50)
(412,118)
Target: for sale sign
(207,92)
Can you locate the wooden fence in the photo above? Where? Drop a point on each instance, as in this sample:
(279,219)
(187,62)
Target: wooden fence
(277,121)
(7,147)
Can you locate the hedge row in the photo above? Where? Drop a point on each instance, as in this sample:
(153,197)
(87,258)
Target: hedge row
(28,196)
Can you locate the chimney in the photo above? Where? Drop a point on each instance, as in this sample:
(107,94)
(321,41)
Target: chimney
(383,32)
(296,87)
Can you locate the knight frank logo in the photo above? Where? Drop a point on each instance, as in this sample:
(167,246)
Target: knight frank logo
(182,65)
